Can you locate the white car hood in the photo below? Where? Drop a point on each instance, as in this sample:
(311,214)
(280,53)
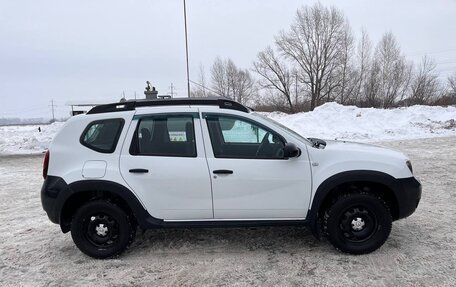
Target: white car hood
(341,146)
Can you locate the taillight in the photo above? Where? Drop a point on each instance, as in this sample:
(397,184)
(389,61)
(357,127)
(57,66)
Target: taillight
(46,164)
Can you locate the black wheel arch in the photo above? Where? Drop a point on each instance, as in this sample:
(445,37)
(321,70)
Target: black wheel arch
(377,182)
(86,190)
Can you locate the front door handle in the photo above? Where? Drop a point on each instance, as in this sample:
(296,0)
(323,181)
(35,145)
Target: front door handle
(222,171)
(139,170)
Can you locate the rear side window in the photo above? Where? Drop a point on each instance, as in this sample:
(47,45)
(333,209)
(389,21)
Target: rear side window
(165,136)
(102,136)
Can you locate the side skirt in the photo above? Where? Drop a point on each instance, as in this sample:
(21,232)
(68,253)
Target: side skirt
(155,223)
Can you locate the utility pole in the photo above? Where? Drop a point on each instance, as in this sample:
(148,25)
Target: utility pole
(186,50)
(52,105)
(172,90)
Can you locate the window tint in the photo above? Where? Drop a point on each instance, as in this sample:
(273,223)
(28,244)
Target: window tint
(165,136)
(233,137)
(102,136)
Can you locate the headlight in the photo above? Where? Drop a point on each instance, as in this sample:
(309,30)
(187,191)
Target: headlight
(409,165)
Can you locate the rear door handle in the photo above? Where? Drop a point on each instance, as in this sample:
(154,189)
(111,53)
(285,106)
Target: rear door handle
(222,171)
(139,170)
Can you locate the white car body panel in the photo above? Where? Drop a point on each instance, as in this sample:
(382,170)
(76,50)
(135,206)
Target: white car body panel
(340,156)
(175,188)
(258,188)
(67,159)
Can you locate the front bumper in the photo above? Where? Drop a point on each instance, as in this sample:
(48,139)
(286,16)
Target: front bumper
(409,196)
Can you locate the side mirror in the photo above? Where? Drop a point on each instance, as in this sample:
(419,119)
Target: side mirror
(291,150)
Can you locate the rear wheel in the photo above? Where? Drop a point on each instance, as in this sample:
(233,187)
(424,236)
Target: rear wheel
(358,223)
(101,229)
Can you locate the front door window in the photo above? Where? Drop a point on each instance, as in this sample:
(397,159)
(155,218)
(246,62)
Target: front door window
(234,137)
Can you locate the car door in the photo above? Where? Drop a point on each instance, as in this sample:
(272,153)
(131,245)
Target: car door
(250,177)
(164,163)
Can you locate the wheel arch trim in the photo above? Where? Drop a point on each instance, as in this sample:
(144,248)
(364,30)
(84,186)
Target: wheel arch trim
(142,216)
(338,179)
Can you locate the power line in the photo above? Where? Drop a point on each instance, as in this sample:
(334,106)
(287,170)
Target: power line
(443,69)
(446,62)
(210,90)
(428,52)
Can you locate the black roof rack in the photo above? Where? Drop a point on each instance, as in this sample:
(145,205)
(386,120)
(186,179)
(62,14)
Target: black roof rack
(223,103)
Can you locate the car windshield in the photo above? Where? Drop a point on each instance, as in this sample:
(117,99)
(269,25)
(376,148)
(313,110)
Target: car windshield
(277,124)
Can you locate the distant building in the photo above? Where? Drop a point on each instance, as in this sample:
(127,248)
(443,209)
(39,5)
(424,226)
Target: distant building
(82,107)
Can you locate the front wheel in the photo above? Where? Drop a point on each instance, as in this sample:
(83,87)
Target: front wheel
(358,223)
(101,229)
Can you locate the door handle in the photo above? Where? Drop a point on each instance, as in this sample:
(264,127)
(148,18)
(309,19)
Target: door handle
(139,170)
(222,171)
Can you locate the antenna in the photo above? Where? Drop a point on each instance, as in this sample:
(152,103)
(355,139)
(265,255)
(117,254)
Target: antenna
(186,50)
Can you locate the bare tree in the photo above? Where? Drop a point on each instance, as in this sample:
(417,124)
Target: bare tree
(394,72)
(219,78)
(363,55)
(313,43)
(275,74)
(425,85)
(227,80)
(245,87)
(347,70)
(371,87)
(448,96)
(200,89)
(452,84)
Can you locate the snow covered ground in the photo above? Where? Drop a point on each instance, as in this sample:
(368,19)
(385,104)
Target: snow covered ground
(27,139)
(334,121)
(419,252)
(328,121)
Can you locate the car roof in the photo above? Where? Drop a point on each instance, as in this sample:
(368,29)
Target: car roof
(222,103)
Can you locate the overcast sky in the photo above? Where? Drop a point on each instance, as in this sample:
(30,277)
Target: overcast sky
(96,50)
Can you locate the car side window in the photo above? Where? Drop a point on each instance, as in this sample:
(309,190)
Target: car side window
(102,135)
(235,137)
(165,136)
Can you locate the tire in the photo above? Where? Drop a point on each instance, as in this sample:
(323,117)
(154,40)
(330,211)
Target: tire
(101,229)
(358,223)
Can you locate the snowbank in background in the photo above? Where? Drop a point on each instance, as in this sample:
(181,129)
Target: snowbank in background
(334,121)
(27,139)
(329,121)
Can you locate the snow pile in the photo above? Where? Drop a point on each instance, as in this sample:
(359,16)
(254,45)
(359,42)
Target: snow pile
(329,121)
(334,121)
(27,139)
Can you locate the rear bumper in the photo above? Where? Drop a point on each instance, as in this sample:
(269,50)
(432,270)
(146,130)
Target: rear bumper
(52,187)
(408,196)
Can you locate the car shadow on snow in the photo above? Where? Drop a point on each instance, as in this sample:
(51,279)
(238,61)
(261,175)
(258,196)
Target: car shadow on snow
(224,240)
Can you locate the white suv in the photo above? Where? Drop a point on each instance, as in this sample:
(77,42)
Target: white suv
(214,162)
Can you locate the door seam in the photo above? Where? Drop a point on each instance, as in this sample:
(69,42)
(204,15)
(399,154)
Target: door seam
(207,162)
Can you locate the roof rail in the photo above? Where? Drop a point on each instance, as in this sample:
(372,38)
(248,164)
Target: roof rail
(223,103)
